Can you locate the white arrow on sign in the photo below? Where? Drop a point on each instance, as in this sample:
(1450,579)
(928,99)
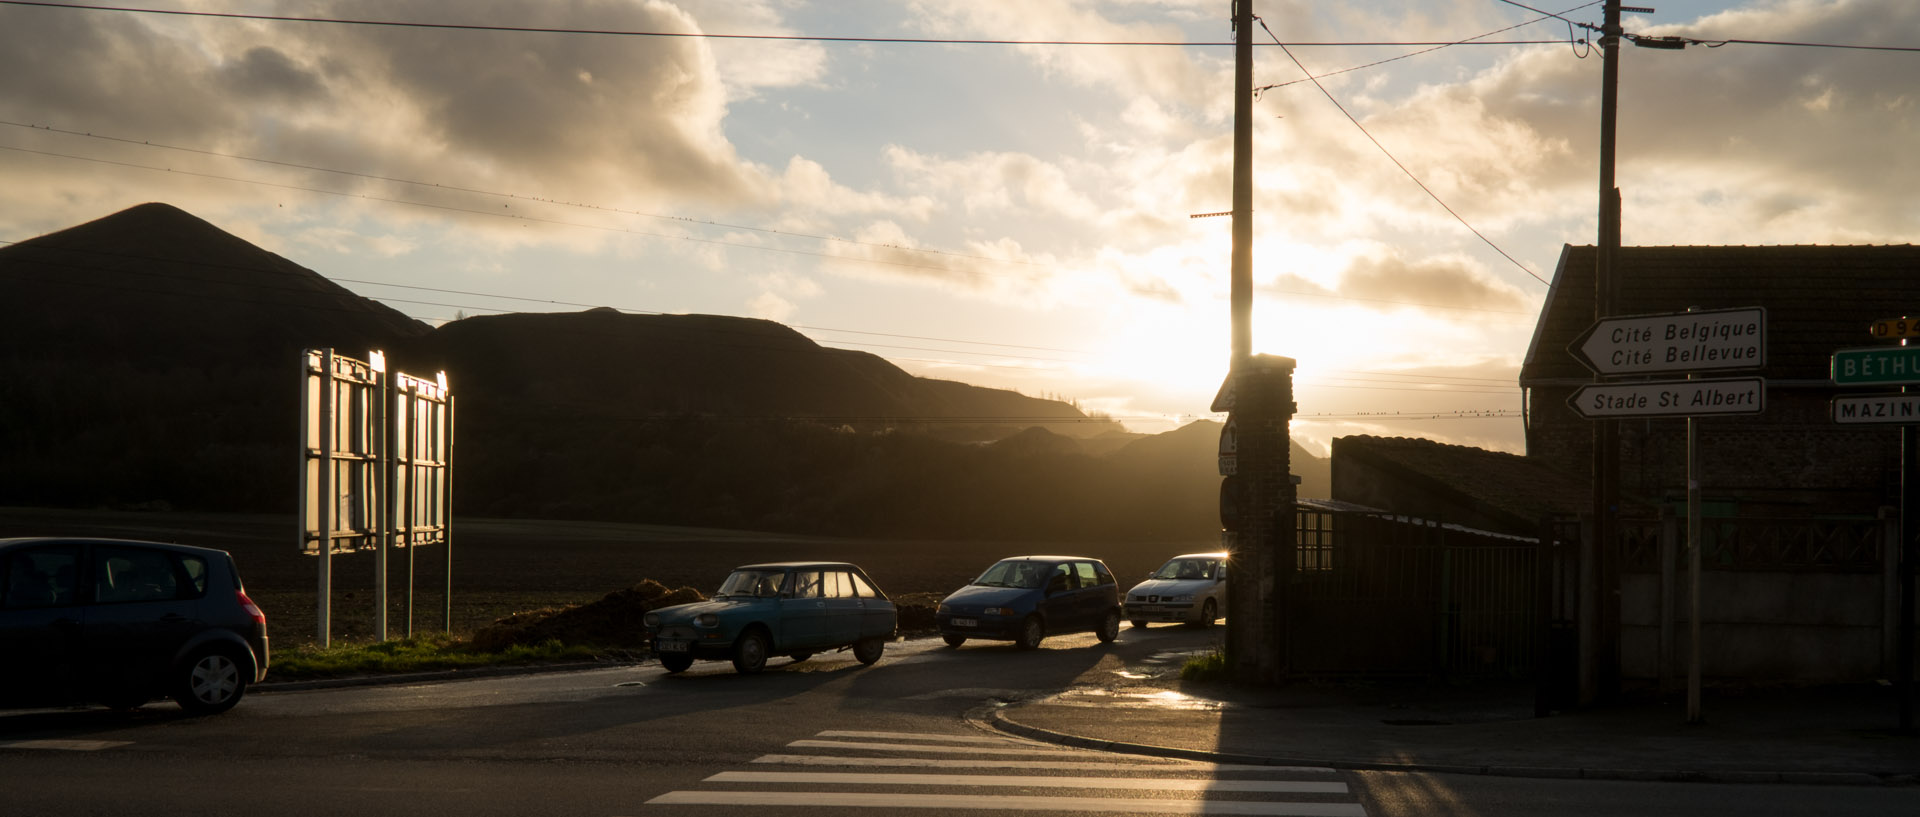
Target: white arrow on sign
(1890,409)
(1704,341)
(1671,398)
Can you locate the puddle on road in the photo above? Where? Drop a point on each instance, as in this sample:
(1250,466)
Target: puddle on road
(1166,699)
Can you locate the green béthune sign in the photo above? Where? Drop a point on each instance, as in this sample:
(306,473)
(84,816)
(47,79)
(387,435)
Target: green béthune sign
(1884,365)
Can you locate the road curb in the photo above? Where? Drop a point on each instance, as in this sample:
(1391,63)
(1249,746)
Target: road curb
(997,719)
(438,676)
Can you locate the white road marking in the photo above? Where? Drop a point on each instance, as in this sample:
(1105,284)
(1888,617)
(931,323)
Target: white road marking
(1145,763)
(962,802)
(922,747)
(1033,781)
(844,733)
(66,745)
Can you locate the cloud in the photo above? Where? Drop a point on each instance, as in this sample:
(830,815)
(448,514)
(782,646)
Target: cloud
(1430,282)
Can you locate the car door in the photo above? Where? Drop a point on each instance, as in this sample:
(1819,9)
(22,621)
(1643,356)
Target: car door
(845,608)
(1060,602)
(146,605)
(42,622)
(803,613)
(1092,599)
(877,614)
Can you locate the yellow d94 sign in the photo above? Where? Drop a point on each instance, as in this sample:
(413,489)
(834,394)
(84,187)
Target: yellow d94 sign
(1892,328)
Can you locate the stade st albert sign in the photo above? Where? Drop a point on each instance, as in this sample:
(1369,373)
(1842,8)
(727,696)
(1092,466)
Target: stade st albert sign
(1709,340)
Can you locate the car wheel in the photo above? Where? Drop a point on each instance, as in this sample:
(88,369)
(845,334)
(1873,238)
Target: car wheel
(676,662)
(750,652)
(1138,624)
(1209,613)
(1030,633)
(799,656)
(868,650)
(1109,627)
(209,683)
(954,640)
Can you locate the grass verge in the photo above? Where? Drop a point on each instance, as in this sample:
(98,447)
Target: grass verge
(421,653)
(1209,667)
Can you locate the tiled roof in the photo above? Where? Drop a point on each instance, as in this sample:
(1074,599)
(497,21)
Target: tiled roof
(1818,298)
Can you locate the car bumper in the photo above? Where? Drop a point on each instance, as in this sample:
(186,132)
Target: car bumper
(1181,612)
(996,628)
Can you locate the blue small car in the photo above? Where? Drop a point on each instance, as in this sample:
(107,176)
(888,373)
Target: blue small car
(1027,598)
(784,608)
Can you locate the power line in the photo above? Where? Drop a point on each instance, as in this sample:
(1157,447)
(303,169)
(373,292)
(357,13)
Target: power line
(1376,63)
(1396,161)
(696,34)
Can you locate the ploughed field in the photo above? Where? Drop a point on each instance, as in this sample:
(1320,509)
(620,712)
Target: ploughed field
(505,566)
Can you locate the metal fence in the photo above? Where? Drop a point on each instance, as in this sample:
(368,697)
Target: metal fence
(1373,593)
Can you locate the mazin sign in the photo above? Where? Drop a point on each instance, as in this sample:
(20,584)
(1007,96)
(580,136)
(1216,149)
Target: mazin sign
(1671,398)
(1890,409)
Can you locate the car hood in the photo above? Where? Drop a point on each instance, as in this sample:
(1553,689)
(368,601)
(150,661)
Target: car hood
(686,612)
(1171,587)
(990,596)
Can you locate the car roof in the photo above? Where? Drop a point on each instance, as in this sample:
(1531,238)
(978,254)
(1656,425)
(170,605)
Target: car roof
(29,541)
(792,565)
(1050,559)
(1200,556)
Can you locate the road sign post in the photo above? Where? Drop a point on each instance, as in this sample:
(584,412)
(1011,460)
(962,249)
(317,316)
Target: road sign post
(1671,398)
(1709,340)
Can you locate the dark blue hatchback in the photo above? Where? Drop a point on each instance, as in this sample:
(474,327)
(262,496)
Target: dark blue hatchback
(1027,598)
(121,622)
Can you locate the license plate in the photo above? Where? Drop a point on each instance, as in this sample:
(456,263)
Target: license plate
(673,645)
(966,622)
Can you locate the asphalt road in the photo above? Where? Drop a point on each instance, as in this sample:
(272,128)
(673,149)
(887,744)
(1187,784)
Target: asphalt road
(824,736)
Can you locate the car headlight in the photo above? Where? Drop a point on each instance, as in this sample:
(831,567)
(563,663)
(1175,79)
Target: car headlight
(999,611)
(944,609)
(706,620)
(652,620)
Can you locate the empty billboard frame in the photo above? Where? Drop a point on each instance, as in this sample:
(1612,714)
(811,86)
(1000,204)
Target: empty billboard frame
(375,471)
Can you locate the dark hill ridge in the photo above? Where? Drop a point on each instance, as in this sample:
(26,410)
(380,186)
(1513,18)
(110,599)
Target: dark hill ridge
(148,358)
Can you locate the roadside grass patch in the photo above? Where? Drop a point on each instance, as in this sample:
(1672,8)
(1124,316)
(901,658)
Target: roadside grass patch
(420,653)
(1209,667)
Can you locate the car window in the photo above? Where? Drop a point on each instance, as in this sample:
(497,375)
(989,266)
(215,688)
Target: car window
(1185,569)
(1013,573)
(1061,577)
(838,585)
(1104,576)
(862,588)
(196,569)
(806,584)
(1084,572)
(753,583)
(42,577)
(133,574)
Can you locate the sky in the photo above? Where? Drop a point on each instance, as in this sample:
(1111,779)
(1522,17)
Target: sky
(1009,215)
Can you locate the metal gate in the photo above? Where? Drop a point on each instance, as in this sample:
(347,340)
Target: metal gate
(1373,593)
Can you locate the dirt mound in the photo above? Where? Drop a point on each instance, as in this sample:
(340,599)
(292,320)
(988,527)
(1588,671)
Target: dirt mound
(613,621)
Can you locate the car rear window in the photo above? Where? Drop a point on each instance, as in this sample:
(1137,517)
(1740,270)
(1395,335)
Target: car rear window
(862,588)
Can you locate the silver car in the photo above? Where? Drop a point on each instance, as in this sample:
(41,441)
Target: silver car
(1190,589)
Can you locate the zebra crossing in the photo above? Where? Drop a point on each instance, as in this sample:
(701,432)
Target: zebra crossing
(972,772)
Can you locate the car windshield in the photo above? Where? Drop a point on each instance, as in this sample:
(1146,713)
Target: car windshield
(1014,573)
(1185,569)
(754,583)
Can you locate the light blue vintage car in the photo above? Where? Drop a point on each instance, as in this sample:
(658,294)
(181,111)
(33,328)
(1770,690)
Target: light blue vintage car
(794,609)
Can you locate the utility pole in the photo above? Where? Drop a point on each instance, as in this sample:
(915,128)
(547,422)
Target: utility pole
(1602,684)
(1241,268)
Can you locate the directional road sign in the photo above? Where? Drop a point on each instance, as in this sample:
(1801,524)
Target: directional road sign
(1671,398)
(1705,341)
(1895,328)
(1884,365)
(1889,409)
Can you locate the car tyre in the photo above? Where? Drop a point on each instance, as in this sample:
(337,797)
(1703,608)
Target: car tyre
(1209,613)
(209,682)
(676,662)
(1031,631)
(750,652)
(1109,627)
(867,650)
(954,640)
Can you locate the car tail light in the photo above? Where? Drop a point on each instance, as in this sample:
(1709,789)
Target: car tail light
(251,608)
